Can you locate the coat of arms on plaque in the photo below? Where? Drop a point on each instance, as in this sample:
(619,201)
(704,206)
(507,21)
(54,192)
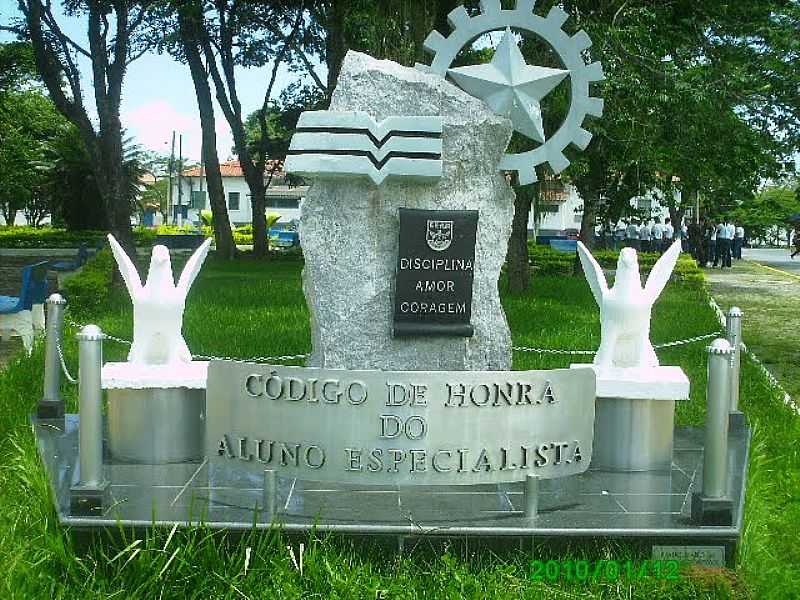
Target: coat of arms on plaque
(439,235)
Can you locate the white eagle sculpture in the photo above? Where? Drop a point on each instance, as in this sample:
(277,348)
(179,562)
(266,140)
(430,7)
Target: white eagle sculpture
(158,305)
(625,308)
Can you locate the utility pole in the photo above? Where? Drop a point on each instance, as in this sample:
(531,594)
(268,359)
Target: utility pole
(202,177)
(171,167)
(180,186)
(697,208)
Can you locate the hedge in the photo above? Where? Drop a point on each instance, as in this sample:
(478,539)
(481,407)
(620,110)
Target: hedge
(547,261)
(86,290)
(52,237)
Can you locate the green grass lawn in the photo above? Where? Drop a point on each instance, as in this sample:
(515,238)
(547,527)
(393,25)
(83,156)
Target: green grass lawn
(248,309)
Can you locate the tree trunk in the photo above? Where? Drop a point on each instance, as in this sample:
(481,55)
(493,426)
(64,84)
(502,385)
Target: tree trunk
(335,43)
(9,213)
(113,182)
(676,218)
(223,235)
(588,222)
(517,257)
(258,202)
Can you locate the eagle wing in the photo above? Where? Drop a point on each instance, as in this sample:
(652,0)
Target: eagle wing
(594,274)
(126,267)
(661,272)
(192,266)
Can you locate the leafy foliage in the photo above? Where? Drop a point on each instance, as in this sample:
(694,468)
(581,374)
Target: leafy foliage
(549,262)
(768,210)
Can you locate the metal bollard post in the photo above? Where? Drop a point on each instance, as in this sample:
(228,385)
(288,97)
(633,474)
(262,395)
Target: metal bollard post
(531,498)
(270,494)
(734,335)
(88,496)
(51,406)
(712,506)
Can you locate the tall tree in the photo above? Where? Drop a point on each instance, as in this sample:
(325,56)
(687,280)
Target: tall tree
(235,34)
(700,99)
(191,32)
(116,38)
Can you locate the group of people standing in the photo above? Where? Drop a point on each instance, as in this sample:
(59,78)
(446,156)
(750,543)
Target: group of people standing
(710,242)
(724,242)
(646,236)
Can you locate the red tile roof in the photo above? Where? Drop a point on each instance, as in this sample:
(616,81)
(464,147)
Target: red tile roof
(232,168)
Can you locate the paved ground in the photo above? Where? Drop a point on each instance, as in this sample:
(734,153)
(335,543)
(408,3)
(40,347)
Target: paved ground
(774,258)
(767,288)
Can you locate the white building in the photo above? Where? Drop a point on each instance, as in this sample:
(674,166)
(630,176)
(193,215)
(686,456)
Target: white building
(561,209)
(282,198)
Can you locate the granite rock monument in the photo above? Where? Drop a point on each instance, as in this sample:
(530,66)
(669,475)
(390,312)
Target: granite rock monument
(350,230)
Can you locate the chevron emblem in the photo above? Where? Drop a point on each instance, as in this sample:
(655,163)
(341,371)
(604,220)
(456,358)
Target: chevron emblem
(351,144)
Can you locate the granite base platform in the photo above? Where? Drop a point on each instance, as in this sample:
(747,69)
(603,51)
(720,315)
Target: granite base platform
(647,507)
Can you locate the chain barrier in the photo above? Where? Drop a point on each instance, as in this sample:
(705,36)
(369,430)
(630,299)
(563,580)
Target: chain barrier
(551,350)
(683,342)
(254,359)
(697,338)
(287,357)
(64,369)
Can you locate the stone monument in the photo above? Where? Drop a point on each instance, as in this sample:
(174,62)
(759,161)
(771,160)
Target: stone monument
(350,230)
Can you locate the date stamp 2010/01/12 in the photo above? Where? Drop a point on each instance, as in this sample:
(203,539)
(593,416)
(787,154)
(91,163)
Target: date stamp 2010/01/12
(603,570)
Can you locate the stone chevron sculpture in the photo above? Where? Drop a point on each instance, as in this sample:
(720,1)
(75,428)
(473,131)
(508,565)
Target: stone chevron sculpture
(330,143)
(625,309)
(158,305)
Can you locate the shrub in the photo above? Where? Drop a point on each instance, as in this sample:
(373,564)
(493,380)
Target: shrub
(54,237)
(547,261)
(87,290)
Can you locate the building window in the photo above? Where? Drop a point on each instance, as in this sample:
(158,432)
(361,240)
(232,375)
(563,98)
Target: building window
(198,199)
(549,208)
(286,201)
(644,205)
(233,200)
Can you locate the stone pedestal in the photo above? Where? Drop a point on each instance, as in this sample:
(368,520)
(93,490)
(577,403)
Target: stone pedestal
(635,417)
(156,414)
(349,229)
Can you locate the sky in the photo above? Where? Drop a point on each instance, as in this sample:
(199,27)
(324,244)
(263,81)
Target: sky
(158,95)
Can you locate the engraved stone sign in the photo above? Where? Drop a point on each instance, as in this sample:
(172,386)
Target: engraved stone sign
(435,267)
(400,427)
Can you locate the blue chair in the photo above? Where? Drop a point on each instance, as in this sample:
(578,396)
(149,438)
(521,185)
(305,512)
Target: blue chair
(17,312)
(570,246)
(72,265)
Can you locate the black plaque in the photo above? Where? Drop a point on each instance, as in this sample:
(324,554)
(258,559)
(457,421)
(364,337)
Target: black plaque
(435,269)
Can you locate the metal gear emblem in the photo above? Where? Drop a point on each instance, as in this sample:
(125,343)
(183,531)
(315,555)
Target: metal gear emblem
(569,48)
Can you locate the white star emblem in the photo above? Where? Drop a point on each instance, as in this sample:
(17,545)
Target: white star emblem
(511,87)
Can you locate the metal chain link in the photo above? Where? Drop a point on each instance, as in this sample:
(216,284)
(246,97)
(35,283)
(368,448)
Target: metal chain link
(255,359)
(551,350)
(683,342)
(285,357)
(697,338)
(263,359)
(64,369)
